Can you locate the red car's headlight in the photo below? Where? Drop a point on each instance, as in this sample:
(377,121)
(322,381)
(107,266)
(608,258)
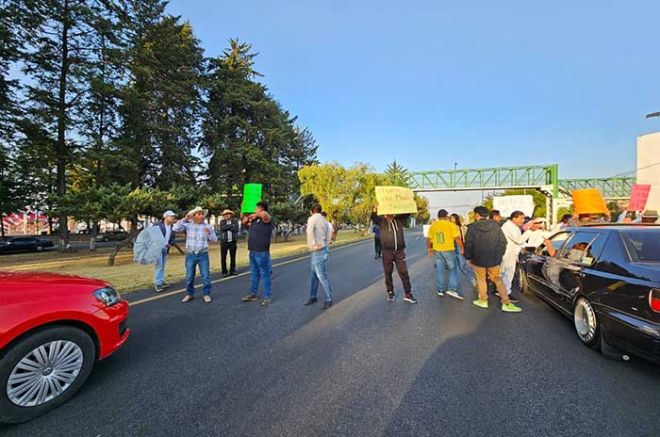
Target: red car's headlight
(107,296)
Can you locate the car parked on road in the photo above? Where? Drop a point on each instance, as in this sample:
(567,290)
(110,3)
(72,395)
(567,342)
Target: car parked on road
(24,244)
(607,279)
(53,329)
(112,236)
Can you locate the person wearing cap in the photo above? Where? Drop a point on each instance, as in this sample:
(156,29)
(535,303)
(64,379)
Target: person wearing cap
(650,216)
(198,236)
(228,236)
(165,225)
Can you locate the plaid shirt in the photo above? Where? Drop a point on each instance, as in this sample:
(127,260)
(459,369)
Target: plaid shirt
(196,237)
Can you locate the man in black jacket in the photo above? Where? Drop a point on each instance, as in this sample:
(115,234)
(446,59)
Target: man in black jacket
(228,237)
(485,245)
(393,252)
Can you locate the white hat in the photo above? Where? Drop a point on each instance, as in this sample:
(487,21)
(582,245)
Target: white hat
(169,213)
(198,209)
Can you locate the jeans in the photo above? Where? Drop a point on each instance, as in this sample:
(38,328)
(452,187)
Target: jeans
(446,260)
(464,267)
(508,272)
(192,261)
(231,248)
(320,274)
(159,276)
(260,268)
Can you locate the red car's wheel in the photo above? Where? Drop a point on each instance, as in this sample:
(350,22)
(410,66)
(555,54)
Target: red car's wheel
(43,370)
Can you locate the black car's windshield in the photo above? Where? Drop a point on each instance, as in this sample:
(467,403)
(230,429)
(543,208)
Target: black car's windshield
(643,244)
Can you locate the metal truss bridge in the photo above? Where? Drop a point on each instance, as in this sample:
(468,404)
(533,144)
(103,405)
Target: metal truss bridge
(541,177)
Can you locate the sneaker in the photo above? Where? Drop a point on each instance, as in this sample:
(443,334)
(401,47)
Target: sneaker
(249,298)
(207,299)
(159,288)
(327,304)
(266,302)
(233,273)
(441,293)
(187,298)
(514,298)
(225,274)
(480,303)
(165,285)
(391,296)
(311,301)
(511,308)
(454,294)
(409,298)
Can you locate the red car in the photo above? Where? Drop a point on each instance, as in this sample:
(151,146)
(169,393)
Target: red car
(53,329)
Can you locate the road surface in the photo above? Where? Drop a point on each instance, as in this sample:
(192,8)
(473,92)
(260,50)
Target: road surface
(365,367)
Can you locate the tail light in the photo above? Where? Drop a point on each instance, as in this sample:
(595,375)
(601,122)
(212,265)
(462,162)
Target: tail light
(654,300)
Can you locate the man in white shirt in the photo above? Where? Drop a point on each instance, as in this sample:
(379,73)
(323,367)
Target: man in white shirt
(515,239)
(319,236)
(165,225)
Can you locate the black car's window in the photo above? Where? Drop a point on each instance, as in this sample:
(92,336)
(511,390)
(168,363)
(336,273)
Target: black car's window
(557,241)
(23,240)
(643,244)
(583,248)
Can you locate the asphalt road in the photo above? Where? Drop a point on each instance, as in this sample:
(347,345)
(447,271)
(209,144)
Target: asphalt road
(365,367)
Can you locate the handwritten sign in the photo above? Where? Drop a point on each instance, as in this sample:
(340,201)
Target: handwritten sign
(508,204)
(251,196)
(638,197)
(588,201)
(395,200)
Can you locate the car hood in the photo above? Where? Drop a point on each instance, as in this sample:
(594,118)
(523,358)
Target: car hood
(48,279)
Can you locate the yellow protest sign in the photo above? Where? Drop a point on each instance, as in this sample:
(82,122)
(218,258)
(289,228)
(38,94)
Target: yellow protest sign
(588,201)
(395,200)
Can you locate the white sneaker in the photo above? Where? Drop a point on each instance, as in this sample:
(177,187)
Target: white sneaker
(455,295)
(441,293)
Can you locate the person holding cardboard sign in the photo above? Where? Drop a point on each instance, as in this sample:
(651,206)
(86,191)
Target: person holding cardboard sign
(393,252)
(260,230)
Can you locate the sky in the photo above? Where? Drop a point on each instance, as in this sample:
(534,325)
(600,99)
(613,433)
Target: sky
(438,82)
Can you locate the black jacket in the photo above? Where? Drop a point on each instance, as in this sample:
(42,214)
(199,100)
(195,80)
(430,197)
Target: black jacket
(485,243)
(391,232)
(226,226)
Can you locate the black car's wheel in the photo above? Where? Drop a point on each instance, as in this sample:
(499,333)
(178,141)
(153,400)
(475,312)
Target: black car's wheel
(106,239)
(586,322)
(42,371)
(40,248)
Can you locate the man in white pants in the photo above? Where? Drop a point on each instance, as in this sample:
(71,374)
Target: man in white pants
(515,240)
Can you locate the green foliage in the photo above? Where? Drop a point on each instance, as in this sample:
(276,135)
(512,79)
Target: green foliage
(397,174)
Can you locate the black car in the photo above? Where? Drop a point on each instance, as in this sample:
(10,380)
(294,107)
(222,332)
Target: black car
(112,236)
(607,279)
(24,244)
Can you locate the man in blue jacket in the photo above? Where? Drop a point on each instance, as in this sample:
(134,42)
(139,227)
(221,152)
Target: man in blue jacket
(165,225)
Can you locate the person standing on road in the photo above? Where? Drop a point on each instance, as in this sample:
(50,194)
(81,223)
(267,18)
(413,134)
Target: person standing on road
(165,225)
(228,241)
(260,231)
(319,237)
(198,236)
(377,246)
(515,241)
(393,251)
(462,264)
(444,236)
(495,216)
(485,245)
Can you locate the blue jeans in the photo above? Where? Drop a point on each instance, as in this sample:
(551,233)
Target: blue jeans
(192,261)
(444,261)
(260,268)
(159,276)
(463,265)
(320,274)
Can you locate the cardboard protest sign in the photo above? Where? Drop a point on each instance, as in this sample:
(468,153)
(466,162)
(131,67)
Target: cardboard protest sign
(251,196)
(588,201)
(395,200)
(639,195)
(508,204)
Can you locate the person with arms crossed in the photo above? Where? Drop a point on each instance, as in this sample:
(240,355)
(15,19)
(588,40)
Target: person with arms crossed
(228,241)
(319,237)
(165,225)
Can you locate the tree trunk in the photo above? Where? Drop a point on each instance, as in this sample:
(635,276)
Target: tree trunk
(123,243)
(92,240)
(60,146)
(2,224)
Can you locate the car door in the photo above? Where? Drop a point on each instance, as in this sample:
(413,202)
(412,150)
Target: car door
(535,263)
(570,270)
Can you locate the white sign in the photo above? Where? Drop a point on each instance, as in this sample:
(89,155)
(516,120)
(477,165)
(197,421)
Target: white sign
(508,204)
(425,230)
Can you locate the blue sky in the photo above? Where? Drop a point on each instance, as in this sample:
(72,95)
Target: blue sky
(430,83)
